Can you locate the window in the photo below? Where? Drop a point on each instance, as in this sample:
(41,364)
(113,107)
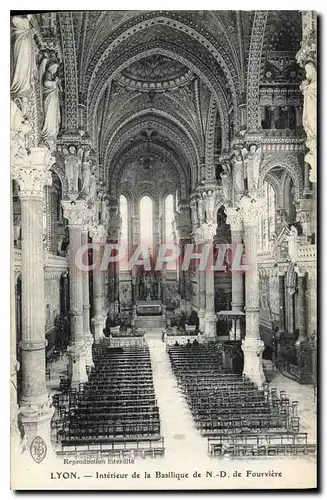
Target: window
(146,222)
(123,209)
(267,218)
(169,228)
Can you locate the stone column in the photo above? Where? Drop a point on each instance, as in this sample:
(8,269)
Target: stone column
(32,174)
(88,337)
(290,310)
(78,216)
(281,284)
(302,309)
(303,345)
(252,345)
(210,315)
(14,365)
(202,296)
(133,290)
(98,234)
(235,221)
(298,116)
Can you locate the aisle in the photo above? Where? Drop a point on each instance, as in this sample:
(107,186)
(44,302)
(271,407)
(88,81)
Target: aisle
(182,440)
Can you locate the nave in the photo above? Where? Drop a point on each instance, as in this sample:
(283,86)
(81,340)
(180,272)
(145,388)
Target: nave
(187,131)
(177,402)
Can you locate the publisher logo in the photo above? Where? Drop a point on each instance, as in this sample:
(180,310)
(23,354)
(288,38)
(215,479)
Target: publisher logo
(38,449)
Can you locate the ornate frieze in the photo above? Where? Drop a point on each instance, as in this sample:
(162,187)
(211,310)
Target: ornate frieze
(254,64)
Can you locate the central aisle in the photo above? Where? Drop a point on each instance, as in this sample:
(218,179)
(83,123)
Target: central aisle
(182,440)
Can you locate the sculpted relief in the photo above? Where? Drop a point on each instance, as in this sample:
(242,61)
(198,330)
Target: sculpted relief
(25,74)
(309,90)
(51,87)
(24,59)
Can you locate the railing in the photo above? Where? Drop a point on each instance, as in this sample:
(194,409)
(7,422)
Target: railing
(52,262)
(307,252)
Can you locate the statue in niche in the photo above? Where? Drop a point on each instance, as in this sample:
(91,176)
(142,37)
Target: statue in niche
(19,129)
(253,167)
(24,59)
(105,216)
(72,167)
(226,182)
(51,87)
(86,163)
(293,244)
(201,215)
(92,191)
(309,90)
(238,171)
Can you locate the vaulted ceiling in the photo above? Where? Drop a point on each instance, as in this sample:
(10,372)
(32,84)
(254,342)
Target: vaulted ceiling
(164,85)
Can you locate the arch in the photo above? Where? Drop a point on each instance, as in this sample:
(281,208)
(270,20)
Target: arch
(210,140)
(108,47)
(70,70)
(184,127)
(171,132)
(170,157)
(180,21)
(93,99)
(276,184)
(254,65)
(147,211)
(290,163)
(59,170)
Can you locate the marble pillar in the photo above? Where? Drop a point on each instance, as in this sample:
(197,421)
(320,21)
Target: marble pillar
(235,221)
(301,307)
(98,235)
(14,365)
(133,292)
(78,216)
(202,298)
(36,410)
(281,285)
(252,345)
(88,337)
(210,315)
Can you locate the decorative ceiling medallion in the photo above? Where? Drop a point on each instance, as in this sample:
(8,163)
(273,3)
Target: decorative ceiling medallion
(155,72)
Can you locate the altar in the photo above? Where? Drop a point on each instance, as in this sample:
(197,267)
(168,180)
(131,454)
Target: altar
(148,308)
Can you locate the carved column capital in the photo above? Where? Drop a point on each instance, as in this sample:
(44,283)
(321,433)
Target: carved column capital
(205,233)
(32,172)
(77,213)
(97,232)
(249,210)
(234,218)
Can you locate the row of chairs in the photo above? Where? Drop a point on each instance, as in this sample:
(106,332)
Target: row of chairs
(116,405)
(231,411)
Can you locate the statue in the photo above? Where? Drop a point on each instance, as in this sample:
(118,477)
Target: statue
(104,213)
(92,191)
(19,128)
(51,87)
(238,172)
(253,167)
(86,163)
(309,90)
(200,210)
(226,182)
(293,244)
(24,60)
(209,198)
(72,167)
